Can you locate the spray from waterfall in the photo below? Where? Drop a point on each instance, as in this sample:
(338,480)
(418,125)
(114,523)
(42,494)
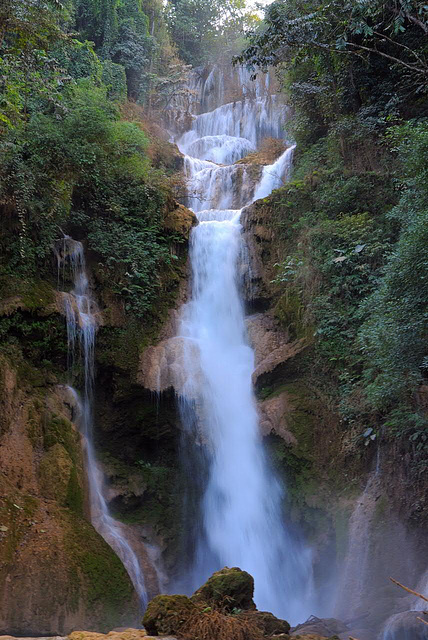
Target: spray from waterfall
(81,315)
(240,520)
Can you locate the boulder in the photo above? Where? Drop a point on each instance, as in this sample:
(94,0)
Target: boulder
(324,627)
(268,624)
(165,615)
(180,220)
(227,589)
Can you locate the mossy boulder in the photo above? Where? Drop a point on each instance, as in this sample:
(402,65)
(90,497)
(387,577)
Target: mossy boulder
(165,615)
(227,589)
(268,624)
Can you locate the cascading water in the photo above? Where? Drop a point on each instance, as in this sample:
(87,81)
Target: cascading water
(81,314)
(241,521)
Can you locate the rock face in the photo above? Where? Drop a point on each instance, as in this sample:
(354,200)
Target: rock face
(274,413)
(272,346)
(56,572)
(167,365)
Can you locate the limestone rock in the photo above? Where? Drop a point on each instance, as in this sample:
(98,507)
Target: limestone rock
(181,220)
(173,363)
(273,417)
(232,588)
(270,343)
(167,614)
(258,239)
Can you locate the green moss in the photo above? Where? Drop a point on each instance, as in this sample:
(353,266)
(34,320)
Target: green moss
(74,498)
(38,294)
(120,347)
(34,426)
(30,375)
(54,473)
(58,430)
(30,295)
(95,569)
(227,588)
(301,421)
(165,615)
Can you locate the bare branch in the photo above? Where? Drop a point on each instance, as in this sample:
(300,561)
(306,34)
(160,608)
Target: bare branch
(418,22)
(415,593)
(410,66)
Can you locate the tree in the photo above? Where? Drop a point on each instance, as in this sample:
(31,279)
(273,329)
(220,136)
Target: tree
(389,29)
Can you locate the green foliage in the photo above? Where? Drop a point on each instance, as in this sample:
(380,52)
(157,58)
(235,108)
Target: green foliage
(120,31)
(387,31)
(394,337)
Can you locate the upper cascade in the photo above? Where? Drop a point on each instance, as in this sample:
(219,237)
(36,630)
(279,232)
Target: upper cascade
(230,131)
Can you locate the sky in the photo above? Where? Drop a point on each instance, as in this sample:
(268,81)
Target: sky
(254,3)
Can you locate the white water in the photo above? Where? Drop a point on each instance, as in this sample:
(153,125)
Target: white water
(81,314)
(242,523)
(274,175)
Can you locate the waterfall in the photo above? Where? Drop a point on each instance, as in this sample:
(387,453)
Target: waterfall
(274,175)
(355,575)
(240,522)
(81,315)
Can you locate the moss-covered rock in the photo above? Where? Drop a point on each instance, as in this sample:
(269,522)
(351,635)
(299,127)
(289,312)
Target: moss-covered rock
(55,470)
(227,589)
(268,624)
(167,614)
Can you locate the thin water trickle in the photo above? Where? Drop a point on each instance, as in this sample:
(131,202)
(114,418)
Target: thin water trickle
(240,520)
(81,316)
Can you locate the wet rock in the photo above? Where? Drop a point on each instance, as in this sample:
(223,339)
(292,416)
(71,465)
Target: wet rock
(406,626)
(227,589)
(166,615)
(324,627)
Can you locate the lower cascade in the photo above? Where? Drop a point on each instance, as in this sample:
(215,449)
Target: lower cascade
(238,519)
(81,315)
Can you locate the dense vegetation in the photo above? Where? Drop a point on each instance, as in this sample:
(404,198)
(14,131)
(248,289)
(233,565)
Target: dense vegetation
(71,161)
(353,222)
